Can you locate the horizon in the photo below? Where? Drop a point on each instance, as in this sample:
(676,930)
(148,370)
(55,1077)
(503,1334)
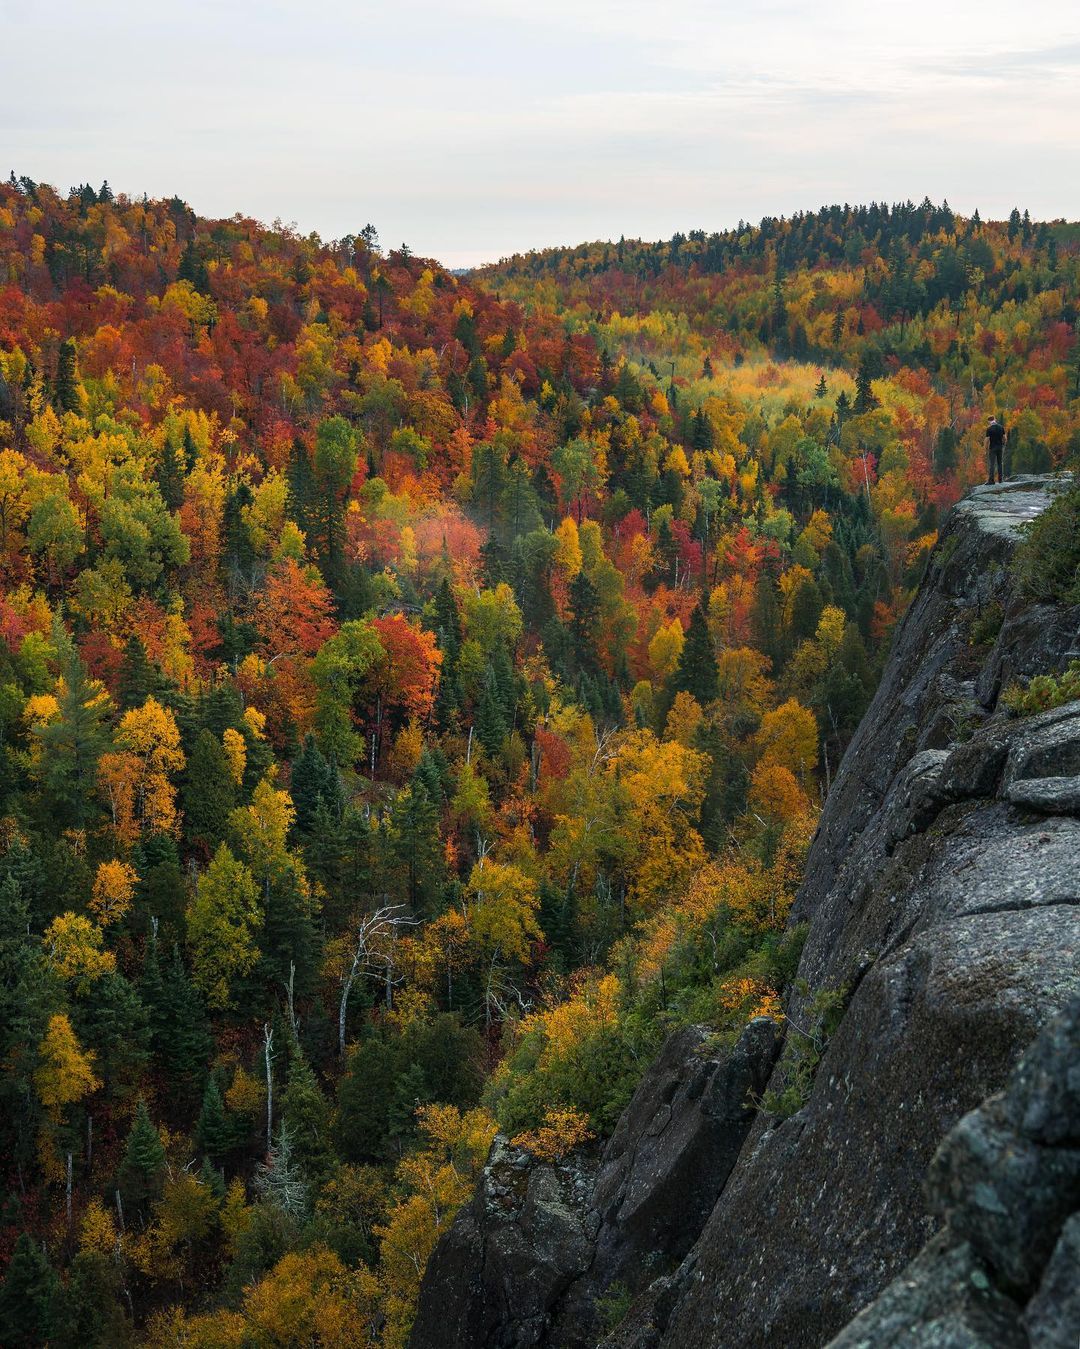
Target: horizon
(473,133)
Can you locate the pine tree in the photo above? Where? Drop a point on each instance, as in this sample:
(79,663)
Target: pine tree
(491,728)
(306,1116)
(137,679)
(821,389)
(170,475)
(584,621)
(447,620)
(696,672)
(945,451)
(71,746)
(208,793)
(314,781)
(27,1297)
(214,1131)
(142,1170)
(179,1032)
(865,398)
(68,396)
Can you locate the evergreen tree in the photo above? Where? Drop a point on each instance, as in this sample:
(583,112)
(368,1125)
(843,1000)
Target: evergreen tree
(447,620)
(142,1170)
(865,398)
(170,475)
(208,793)
(306,1116)
(584,621)
(214,1131)
(71,745)
(945,451)
(27,1297)
(137,679)
(696,672)
(314,781)
(68,396)
(491,727)
(179,1033)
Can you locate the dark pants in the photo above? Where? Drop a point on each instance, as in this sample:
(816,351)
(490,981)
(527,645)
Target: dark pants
(997,461)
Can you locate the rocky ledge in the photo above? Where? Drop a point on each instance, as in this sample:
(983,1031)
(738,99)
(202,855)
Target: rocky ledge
(942,895)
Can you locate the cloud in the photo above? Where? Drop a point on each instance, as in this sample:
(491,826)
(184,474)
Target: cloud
(477,127)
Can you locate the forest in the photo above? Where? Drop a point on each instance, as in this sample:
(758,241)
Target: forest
(417,692)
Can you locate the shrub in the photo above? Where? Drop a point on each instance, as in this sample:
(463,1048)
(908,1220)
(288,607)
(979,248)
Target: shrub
(1047,562)
(561,1132)
(1044,692)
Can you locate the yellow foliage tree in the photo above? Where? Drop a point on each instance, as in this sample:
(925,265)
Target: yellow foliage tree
(65,1072)
(788,736)
(563,1130)
(73,947)
(114,886)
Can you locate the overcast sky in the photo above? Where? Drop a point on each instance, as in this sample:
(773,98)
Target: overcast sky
(473,128)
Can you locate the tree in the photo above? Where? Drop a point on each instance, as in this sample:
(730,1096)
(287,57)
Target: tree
(788,736)
(114,887)
(71,746)
(314,782)
(696,671)
(294,617)
(223,919)
(208,792)
(214,1132)
(142,1170)
(865,398)
(69,395)
(28,1297)
(336,456)
(179,1034)
(65,1073)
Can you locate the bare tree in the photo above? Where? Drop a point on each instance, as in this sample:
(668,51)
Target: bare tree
(268,1057)
(372,955)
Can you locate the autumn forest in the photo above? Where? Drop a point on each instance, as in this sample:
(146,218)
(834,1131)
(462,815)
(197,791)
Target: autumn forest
(417,691)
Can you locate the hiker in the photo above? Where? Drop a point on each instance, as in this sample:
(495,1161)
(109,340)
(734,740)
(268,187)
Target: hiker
(995,449)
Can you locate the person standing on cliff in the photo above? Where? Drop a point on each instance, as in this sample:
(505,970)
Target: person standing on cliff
(995,449)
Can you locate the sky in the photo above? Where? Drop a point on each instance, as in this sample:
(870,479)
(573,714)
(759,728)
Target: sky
(471,129)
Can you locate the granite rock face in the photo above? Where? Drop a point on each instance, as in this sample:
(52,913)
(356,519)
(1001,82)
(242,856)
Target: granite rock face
(1005,1269)
(942,897)
(525,1262)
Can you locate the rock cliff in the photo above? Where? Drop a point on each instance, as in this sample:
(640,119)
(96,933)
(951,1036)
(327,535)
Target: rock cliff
(942,894)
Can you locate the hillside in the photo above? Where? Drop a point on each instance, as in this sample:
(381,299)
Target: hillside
(764,1189)
(418,693)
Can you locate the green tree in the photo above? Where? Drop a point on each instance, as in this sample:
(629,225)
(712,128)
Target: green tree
(71,746)
(223,919)
(337,447)
(69,395)
(208,792)
(696,672)
(27,1297)
(142,1171)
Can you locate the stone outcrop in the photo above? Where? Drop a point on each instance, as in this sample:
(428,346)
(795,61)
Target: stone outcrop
(1005,1269)
(526,1261)
(942,895)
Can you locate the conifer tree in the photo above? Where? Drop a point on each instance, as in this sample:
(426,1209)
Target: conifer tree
(68,392)
(491,728)
(72,744)
(314,781)
(208,793)
(696,672)
(213,1132)
(142,1170)
(27,1297)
